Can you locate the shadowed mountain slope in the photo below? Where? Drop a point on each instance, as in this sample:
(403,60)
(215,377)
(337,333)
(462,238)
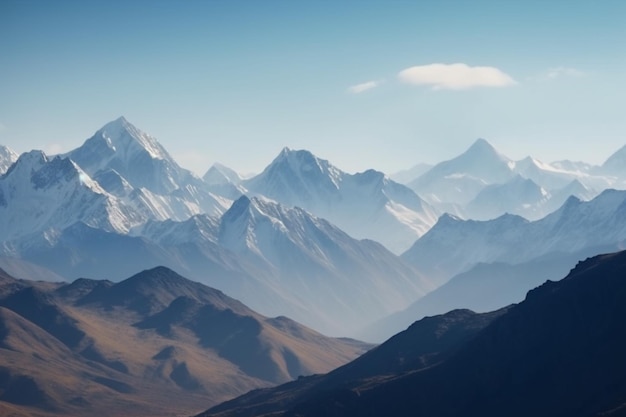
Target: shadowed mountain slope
(558,353)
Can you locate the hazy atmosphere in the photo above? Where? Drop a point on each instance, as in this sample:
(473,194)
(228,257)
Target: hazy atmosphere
(312,208)
(365,84)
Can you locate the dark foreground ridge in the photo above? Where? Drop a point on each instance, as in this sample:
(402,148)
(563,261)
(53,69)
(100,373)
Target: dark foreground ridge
(558,353)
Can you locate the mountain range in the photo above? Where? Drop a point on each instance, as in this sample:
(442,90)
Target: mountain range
(128,348)
(120,203)
(482,183)
(575,226)
(303,238)
(357,255)
(365,205)
(557,353)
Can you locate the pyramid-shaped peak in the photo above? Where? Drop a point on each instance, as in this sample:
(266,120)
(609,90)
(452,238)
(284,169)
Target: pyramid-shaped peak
(119,125)
(157,274)
(221,174)
(482,151)
(481,145)
(120,121)
(122,134)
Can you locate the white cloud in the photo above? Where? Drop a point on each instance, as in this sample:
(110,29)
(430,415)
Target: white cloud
(558,72)
(457,76)
(360,88)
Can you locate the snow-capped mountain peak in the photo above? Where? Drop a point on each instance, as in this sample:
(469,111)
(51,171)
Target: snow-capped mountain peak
(249,219)
(298,178)
(28,162)
(122,136)
(365,205)
(304,163)
(459,180)
(41,195)
(7,158)
(133,154)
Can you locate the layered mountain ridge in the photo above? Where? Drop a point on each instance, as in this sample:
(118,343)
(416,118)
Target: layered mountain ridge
(97,347)
(460,185)
(557,353)
(366,205)
(120,203)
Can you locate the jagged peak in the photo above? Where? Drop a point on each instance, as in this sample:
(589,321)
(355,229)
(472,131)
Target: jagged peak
(32,160)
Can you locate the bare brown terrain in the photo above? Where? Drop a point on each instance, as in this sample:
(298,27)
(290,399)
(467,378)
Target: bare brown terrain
(156,344)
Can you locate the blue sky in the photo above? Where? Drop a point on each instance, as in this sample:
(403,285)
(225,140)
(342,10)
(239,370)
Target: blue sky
(235,81)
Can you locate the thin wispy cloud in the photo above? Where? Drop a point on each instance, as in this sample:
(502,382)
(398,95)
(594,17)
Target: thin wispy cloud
(363,87)
(559,72)
(457,76)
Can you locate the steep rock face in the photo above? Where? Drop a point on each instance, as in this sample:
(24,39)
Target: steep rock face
(137,156)
(329,276)
(135,167)
(366,205)
(41,195)
(558,353)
